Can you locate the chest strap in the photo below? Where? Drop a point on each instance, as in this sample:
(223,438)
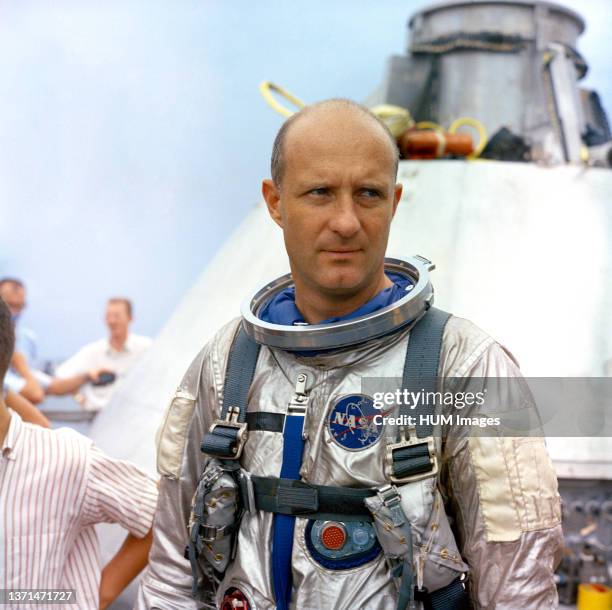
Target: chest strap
(299,499)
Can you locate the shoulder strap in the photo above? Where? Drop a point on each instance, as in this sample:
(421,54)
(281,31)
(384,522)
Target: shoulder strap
(239,373)
(413,455)
(422,362)
(227,435)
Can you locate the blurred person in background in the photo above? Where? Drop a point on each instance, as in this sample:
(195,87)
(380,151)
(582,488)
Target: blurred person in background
(13,293)
(56,485)
(23,378)
(110,358)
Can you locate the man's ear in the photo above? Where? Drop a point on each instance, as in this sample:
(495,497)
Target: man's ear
(271,193)
(397,195)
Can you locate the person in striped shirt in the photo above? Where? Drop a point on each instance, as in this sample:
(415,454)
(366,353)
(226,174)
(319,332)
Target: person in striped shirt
(55,485)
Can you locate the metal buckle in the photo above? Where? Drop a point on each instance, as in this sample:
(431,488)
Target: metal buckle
(212,533)
(231,421)
(249,500)
(208,533)
(390,497)
(210,476)
(298,405)
(411,440)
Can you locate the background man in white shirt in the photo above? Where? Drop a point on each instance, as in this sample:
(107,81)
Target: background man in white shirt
(23,377)
(117,354)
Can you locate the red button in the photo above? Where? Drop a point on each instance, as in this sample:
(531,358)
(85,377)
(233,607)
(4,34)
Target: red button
(234,599)
(333,537)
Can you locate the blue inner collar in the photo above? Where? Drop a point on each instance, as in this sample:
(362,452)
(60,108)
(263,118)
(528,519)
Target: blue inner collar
(281,308)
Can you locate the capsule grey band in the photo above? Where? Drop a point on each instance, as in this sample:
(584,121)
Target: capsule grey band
(350,332)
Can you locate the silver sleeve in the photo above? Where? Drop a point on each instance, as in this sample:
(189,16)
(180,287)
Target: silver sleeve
(503,495)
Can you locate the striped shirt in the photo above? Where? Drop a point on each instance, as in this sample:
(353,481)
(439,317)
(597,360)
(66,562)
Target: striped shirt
(55,485)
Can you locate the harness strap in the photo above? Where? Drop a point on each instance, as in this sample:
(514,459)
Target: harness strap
(452,597)
(413,456)
(283,525)
(266,421)
(228,434)
(422,362)
(405,597)
(412,460)
(242,361)
(297,498)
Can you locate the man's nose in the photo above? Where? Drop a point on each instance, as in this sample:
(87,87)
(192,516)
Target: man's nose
(345,220)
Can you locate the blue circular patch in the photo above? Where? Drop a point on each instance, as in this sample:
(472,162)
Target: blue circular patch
(352,423)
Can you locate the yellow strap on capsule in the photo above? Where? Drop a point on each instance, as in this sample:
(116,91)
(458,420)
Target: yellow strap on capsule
(430,125)
(266,88)
(478,126)
(396,118)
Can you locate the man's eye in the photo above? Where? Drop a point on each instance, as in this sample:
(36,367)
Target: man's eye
(319,191)
(370,193)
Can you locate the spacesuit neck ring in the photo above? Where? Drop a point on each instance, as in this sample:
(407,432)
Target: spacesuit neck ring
(316,337)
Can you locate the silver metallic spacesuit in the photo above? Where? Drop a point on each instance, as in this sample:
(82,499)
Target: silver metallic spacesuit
(500,493)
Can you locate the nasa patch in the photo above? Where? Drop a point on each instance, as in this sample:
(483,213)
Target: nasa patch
(351,422)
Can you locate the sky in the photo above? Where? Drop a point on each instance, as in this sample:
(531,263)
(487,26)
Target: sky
(134,138)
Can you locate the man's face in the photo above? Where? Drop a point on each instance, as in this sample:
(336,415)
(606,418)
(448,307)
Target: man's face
(117,318)
(14,296)
(336,202)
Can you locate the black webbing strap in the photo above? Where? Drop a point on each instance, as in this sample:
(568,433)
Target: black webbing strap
(265,421)
(411,458)
(221,441)
(421,364)
(296,498)
(239,372)
(452,597)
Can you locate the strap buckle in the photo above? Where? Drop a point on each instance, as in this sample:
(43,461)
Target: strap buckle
(210,476)
(390,497)
(411,441)
(247,490)
(212,533)
(231,421)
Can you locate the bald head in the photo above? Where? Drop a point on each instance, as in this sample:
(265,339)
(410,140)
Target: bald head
(336,114)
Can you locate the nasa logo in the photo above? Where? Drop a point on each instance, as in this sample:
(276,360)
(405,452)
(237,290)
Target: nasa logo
(351,422)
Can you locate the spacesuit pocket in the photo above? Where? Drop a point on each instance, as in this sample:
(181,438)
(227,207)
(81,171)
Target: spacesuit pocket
(214,516)
(537,483)
(437,553)
(171,435)
(393,529)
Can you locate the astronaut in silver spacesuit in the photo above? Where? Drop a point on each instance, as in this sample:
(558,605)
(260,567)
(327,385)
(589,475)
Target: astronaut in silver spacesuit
(282,486)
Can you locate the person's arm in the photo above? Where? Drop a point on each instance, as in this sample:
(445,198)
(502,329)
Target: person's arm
(117,491)
(502,492)
(60,386)
(129,561)
(27,411)
(32,390)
